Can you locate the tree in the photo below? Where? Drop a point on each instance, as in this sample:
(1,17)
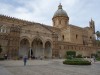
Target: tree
(98,35)
(97,42)
(0,49)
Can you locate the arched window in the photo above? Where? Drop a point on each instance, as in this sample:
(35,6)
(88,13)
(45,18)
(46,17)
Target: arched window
(63,37)
(76,36)
(3,30)
(59,21)
(0,29)
(90,37)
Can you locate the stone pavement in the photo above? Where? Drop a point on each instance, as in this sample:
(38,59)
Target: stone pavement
(46,67)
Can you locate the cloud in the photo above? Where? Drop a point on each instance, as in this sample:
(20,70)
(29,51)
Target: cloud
(42,11)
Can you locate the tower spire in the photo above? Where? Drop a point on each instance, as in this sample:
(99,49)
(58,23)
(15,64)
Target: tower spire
(91,19)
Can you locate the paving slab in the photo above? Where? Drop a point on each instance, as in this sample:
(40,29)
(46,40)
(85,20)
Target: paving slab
(46,67)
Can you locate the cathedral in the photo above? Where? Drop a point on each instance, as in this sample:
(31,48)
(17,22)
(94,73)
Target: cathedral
(19,37)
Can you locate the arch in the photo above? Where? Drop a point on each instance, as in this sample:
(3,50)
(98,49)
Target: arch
(25,37)
(38,37)
(37,47)
(48,40)
(24,47)
(3,29)
(63,37)
(48,49)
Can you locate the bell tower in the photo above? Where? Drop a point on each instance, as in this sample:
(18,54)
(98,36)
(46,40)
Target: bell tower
(60,18)
(92,25)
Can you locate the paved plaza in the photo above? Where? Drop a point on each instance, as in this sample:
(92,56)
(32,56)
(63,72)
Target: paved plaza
(46,67)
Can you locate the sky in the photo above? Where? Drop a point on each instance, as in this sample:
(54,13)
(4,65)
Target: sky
(80,12)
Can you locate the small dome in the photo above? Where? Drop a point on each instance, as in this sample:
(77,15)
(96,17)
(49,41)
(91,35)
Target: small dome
(60,12)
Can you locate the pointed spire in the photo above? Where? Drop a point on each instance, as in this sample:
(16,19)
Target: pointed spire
(60,6)
(91,20)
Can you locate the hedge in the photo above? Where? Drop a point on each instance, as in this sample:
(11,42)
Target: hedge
(77,62)
(2,58)
(71,54)
(98,59)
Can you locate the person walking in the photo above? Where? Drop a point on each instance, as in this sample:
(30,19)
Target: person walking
(94,58)
(6,56)
(25,60)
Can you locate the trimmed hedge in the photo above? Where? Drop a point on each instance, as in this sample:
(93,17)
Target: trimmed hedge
(2,59)
(98,59)
(71,53)
(0,49)
(77,62)
(79,56)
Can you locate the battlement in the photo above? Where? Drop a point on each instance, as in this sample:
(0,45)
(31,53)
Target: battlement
(13,20)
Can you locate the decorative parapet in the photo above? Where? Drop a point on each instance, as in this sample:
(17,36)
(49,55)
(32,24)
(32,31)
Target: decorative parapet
(21,22)
(13,20)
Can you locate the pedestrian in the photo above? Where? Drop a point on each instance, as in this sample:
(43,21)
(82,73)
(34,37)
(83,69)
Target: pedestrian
(25,60)
(6,56)
(94,58)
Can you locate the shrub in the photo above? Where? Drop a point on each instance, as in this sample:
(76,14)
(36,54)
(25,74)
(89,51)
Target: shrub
(0,49)
(77,62)
(98,59)
(16,58)
(94,55)
(71,54)
(1,58)
(98,53)
(79,56)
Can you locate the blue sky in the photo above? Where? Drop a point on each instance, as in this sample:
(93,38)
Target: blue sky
(80,12)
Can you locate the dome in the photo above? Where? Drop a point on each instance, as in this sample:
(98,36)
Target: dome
(60,12)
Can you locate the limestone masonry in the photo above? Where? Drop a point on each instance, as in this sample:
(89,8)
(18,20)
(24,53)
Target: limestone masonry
(20,37)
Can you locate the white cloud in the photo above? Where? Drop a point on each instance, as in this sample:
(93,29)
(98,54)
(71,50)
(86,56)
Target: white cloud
(42,11)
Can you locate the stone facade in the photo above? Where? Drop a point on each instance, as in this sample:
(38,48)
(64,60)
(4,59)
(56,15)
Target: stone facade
(20,37)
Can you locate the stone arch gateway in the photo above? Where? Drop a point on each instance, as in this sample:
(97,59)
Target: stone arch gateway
(48,50)
(37,48)
(24,47)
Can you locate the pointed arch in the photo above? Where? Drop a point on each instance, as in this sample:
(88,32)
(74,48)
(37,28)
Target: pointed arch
(48,49)
(37,47)
(24,47)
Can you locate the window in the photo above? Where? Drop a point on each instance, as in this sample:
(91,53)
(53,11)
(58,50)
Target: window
(83,42)
(0,30)
(3,30)
(90,37)
(59,21)
(63,37)
(76,36)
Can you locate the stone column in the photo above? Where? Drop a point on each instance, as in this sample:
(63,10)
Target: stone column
(30,51)
(30,48)
(43,50)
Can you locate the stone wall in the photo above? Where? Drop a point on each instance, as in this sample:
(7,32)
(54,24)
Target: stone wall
(80,49)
